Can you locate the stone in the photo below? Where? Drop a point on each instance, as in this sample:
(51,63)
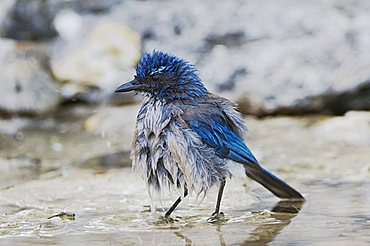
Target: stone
(103,59)
(29,20)
(5,7)
(27,85)
(311,60)
(68,24)
(33,19)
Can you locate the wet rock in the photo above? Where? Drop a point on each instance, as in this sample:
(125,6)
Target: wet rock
(27,86)
(102,60)
(310,60)
(33,19)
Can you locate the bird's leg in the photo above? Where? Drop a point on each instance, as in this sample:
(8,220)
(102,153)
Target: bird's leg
(219,197)
(217,215)
(175,204)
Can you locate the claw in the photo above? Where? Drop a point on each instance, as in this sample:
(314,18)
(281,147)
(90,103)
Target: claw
(166,219)
(216,217)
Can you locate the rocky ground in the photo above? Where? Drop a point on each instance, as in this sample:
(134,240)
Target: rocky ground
(312,58)
(299,72)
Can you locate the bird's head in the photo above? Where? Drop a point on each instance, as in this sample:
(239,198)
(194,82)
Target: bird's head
(165,77)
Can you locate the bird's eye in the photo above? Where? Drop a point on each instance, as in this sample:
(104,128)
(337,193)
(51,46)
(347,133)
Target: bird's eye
(155,77)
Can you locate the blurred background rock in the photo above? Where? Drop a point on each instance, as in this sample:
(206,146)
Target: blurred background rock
(62,59)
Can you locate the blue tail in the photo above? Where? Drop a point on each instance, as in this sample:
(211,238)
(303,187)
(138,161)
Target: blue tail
(277,186)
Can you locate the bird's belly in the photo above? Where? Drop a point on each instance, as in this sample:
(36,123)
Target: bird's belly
(170,155)
(151,152)
(162,167)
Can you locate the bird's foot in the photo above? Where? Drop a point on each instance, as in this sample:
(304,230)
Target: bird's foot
(216,217)
(166,219)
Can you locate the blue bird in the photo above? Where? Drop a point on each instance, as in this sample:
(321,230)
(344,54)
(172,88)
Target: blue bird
(186,137)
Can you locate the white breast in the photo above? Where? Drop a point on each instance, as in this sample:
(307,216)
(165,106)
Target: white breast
(170,154)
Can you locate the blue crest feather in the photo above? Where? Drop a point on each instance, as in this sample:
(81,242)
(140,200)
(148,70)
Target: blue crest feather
(185,84)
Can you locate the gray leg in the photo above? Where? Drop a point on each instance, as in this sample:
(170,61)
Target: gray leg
(217,216)
(176,203)
(219,197)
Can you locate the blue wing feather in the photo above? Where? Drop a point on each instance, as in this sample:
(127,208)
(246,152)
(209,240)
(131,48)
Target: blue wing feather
(218,135)
(223,133)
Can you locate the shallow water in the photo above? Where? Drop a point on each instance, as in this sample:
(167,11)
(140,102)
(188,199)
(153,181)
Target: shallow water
(109,207)
(63,168)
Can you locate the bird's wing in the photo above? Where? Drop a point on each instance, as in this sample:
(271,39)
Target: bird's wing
(213,127)
(219,128)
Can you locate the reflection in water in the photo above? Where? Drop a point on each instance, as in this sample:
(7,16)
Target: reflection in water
(288,206)
(282,213)
(187,241)
(105,214)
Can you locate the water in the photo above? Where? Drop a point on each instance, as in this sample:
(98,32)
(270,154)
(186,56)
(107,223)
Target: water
(39,179)
(110,209)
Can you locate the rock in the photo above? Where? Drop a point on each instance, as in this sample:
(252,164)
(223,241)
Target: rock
(33,19)
(68,24)
(5,7)
(102,60)
(310,60)
(27,85)
(30,20)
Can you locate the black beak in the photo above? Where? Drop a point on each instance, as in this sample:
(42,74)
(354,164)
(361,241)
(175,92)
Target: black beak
(130,86)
